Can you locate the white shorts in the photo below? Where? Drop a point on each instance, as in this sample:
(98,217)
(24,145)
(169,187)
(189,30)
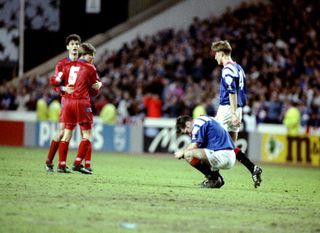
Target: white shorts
(221,159)
(224,117)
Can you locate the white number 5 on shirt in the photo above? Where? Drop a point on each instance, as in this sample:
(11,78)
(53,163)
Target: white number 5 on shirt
(73,74)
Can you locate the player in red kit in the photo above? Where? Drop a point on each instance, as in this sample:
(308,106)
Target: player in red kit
(72,44)
(82,76)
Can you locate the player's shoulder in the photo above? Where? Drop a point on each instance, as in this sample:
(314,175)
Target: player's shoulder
(230,66)
(88,65)
(63,63)
(64,60)
(230,69)
(91,65)
(203,119)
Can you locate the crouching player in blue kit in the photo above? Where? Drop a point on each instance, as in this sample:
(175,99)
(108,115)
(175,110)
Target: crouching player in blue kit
(211,148)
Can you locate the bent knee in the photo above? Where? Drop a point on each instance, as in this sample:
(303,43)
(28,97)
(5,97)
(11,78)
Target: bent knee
(61,132)
(58,136)
(189,155)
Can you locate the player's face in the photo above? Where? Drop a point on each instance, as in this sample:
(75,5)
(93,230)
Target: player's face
(218,57)
(188,128)
(90,57)
(73,46)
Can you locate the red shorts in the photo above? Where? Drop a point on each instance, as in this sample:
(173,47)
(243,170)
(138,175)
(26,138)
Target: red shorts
(77,111)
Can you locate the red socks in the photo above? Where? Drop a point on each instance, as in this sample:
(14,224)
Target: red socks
(52,151)
(84,146)
(63,152)
(84,152)
(236,150)
(194,162)
(87,157)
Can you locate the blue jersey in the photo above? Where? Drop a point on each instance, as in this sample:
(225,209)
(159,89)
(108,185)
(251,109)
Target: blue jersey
(209,134)
(233,81)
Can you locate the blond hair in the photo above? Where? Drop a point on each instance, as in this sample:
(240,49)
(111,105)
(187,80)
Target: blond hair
(87,48)
(221,46)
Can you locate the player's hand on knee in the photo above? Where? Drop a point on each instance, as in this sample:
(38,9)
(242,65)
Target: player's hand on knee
(179,154)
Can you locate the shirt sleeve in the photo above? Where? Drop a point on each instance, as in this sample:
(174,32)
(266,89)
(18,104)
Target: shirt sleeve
(228,78)
(94,77)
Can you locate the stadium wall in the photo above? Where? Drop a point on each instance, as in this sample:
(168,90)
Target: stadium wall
(158,136)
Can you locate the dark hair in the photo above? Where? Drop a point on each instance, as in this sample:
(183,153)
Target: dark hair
(73,37)
(181,123)
(86,48)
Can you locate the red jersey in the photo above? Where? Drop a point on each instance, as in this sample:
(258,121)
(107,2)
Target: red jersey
(59,68)
(77,107)
(62,63)
(81,75)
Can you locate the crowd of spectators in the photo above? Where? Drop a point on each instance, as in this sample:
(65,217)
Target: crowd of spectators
(172,72)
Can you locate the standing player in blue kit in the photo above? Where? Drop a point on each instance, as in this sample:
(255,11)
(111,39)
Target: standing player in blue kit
(233,94)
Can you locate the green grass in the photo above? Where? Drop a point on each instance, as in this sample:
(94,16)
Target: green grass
(155,193)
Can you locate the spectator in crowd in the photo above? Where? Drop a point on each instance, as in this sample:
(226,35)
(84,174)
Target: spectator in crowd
(273,109)
(123,107)
(8,95)
(22,99)
(249,121)
(153,105)
(54,110)
(199,109)
(99,103)
(42,109)
(108,114)
(292,119)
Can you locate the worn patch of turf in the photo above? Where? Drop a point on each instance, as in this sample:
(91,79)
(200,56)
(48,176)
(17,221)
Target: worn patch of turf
(151,194)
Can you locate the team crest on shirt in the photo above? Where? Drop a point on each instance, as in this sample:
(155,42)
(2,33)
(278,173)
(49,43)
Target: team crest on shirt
(88,109)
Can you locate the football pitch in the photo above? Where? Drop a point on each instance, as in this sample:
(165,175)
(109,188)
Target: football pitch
(152,194)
